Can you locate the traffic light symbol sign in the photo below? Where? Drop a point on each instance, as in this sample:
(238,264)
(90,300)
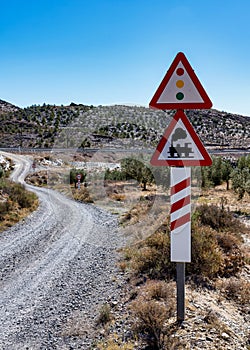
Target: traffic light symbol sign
(180,88)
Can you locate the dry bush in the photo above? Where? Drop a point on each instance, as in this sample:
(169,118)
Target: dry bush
(228,241)
(5,207)
(158,290)
(119,197)
(213,320)
(233,262)
(152,257)
(114,344)
(216,240)
(82,195)
(104,315)
(236,289)
(214,252)
(230,244)
(18,203)
(151,310)
(218,219)
(212,255)
(18,194)
(138,211)
(207,257)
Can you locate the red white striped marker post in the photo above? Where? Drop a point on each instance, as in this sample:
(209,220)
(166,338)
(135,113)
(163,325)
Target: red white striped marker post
(180,214)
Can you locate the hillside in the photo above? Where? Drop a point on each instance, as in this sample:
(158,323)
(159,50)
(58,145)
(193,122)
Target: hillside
(78,125)
(6,107)
(35,126)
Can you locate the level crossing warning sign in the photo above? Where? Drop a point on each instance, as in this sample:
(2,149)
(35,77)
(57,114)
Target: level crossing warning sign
(180,148)
(180,145)
(180,88)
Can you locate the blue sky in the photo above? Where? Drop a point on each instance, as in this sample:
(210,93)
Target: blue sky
(105,52)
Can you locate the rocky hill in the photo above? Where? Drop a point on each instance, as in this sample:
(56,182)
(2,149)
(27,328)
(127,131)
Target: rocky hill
(35,126)
(6,107)
(78,125)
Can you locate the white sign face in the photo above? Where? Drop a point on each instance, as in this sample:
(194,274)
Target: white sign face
(181,244)
(180,216)
(180,144)
(180,87)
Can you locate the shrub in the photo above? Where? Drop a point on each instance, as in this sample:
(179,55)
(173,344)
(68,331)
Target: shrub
(228,241)
(222,234)
(82,195)
(4,208)
(236,289)
(152,258)
(24,198)
(207,257)
(217,218)
(1,171)
(157,290)
(151,309)
(114,345)
(104,315)
(214,252)
(74,173)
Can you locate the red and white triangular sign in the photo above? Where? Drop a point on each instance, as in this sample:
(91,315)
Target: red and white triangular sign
(180,88)
(180,145)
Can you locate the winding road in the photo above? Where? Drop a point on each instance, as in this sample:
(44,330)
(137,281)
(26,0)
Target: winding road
(57,269)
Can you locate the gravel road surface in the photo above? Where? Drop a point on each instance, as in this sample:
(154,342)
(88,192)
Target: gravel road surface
(58,267)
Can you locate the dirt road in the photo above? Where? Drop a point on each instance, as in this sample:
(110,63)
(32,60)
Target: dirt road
(57,269)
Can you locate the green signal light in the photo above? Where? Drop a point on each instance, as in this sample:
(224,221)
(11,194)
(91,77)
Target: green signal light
(180,96)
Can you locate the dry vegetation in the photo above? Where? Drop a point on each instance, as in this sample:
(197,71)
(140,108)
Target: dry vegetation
(217,283)
(15,203)
(218,273)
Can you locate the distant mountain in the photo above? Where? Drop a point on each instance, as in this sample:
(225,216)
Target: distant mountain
(35,126)
(78,125)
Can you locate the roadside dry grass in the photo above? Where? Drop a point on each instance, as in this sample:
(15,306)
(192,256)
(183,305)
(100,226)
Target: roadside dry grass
(228,199)
(217,308)
(15,203)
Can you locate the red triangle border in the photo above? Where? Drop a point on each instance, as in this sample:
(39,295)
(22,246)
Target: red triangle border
(180,57)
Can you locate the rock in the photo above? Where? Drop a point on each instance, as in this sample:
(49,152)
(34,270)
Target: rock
(225,335)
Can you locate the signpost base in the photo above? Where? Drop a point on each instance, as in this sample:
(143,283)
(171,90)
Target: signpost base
(180,282)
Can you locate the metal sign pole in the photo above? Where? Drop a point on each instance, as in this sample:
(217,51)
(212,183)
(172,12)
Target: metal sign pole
(180,283)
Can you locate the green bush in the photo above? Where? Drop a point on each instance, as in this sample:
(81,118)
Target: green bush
(4,208)
(74,173)
(115,175)
(1,171)
(218,172)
